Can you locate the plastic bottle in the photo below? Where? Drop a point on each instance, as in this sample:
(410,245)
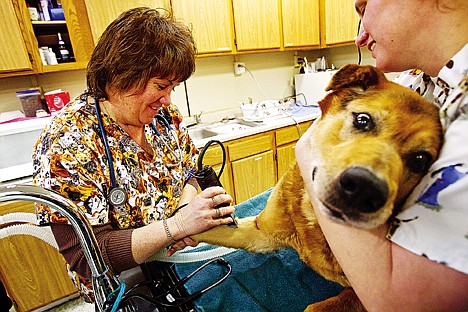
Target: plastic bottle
(323,63)
(51,58)
(64,54)
(45,9)
(42,54)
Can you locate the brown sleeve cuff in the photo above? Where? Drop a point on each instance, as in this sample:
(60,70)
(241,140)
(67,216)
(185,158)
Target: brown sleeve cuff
(115,246)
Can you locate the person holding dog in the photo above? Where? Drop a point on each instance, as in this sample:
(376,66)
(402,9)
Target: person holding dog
(152,202)
(419,262)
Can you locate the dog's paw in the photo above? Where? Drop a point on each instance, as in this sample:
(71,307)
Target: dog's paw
(346,301)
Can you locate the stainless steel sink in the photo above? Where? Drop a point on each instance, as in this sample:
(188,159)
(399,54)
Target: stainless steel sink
(204,131)
(201,133)
(232,126)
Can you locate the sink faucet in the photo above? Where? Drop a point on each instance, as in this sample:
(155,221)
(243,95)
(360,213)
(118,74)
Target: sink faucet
(104,283)
(197,118)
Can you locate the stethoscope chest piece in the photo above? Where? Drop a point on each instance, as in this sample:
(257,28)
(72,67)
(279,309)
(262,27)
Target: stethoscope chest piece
(117,197)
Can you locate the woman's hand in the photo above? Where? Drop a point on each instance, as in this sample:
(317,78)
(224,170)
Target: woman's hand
(181,244)
(199,215)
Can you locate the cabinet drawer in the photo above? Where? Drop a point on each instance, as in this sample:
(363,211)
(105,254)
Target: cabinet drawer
(213,155)
(291,133)
(250,146)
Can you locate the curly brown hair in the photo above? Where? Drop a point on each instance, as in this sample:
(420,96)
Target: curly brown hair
(140,44)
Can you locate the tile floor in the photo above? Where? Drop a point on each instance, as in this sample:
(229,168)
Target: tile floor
(73,305)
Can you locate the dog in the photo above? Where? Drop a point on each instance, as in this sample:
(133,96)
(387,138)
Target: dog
(373,143)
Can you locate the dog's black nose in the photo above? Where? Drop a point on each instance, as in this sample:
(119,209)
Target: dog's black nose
(362,190)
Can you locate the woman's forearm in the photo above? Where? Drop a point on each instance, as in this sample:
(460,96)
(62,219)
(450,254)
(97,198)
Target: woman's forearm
(148,240)
(114,245)
(387,277)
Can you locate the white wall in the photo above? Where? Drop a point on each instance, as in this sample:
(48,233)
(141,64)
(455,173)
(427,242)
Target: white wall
(213,87)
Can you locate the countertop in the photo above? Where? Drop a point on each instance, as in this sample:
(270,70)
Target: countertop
(22,173)
(306,114)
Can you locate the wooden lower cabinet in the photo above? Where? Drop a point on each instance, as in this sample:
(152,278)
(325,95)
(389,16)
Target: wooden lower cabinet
(253,175)
(255,163)
(225,178)
(285,156)
(34,273)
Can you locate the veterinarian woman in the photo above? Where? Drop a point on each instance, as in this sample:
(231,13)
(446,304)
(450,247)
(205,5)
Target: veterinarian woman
(422,264)
(127,170)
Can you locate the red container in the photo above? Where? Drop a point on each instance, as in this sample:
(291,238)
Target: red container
(56,100)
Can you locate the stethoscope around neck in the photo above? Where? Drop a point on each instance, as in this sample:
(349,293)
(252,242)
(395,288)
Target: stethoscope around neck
(117,196)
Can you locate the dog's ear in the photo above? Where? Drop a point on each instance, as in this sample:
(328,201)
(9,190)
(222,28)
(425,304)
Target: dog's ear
(353,75)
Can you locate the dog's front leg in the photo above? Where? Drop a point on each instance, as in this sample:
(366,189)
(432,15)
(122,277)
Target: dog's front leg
(246,236)
(346,301)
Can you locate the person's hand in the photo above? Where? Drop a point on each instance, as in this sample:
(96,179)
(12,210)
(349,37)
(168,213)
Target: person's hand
(200,214)
(181,244)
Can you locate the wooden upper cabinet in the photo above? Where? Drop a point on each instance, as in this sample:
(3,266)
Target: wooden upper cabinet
(14,54)
(301,23)
(102,12)
(341,22)
(256,24)
(210,22)
(79,31)
(24,37)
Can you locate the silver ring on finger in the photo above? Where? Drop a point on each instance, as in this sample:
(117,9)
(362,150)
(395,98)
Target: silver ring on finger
(218,213)
(213,199)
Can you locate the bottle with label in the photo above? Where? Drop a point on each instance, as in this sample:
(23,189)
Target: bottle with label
(64,54)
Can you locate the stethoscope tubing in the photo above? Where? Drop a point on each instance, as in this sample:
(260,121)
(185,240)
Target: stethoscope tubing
(110,161)
(159,118)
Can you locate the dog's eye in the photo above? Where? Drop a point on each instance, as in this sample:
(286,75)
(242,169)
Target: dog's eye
(363,122)
(419,162)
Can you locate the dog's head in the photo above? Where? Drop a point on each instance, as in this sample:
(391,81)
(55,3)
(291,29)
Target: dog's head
(372,145)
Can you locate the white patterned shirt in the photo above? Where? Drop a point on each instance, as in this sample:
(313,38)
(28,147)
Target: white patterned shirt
(434,221)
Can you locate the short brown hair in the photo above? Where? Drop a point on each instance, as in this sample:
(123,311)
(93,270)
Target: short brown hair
(140,44)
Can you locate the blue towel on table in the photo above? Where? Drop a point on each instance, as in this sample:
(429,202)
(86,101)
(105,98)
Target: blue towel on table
(278,281)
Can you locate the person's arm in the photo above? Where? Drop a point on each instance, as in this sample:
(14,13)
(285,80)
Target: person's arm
(199,215)
(115,246)
(385,276)
(125,249)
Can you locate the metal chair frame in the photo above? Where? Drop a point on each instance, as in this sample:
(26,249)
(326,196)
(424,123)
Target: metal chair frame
(104,282)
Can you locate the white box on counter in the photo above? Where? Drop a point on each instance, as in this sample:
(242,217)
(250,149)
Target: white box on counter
(16,144)
(312,86)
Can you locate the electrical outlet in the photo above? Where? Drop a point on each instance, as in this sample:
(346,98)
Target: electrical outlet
(239,68)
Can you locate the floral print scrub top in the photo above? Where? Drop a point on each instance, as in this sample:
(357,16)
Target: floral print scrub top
(434,220)
(70,158)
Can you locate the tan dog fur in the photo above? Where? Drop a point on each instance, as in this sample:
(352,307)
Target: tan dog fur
(406,134)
